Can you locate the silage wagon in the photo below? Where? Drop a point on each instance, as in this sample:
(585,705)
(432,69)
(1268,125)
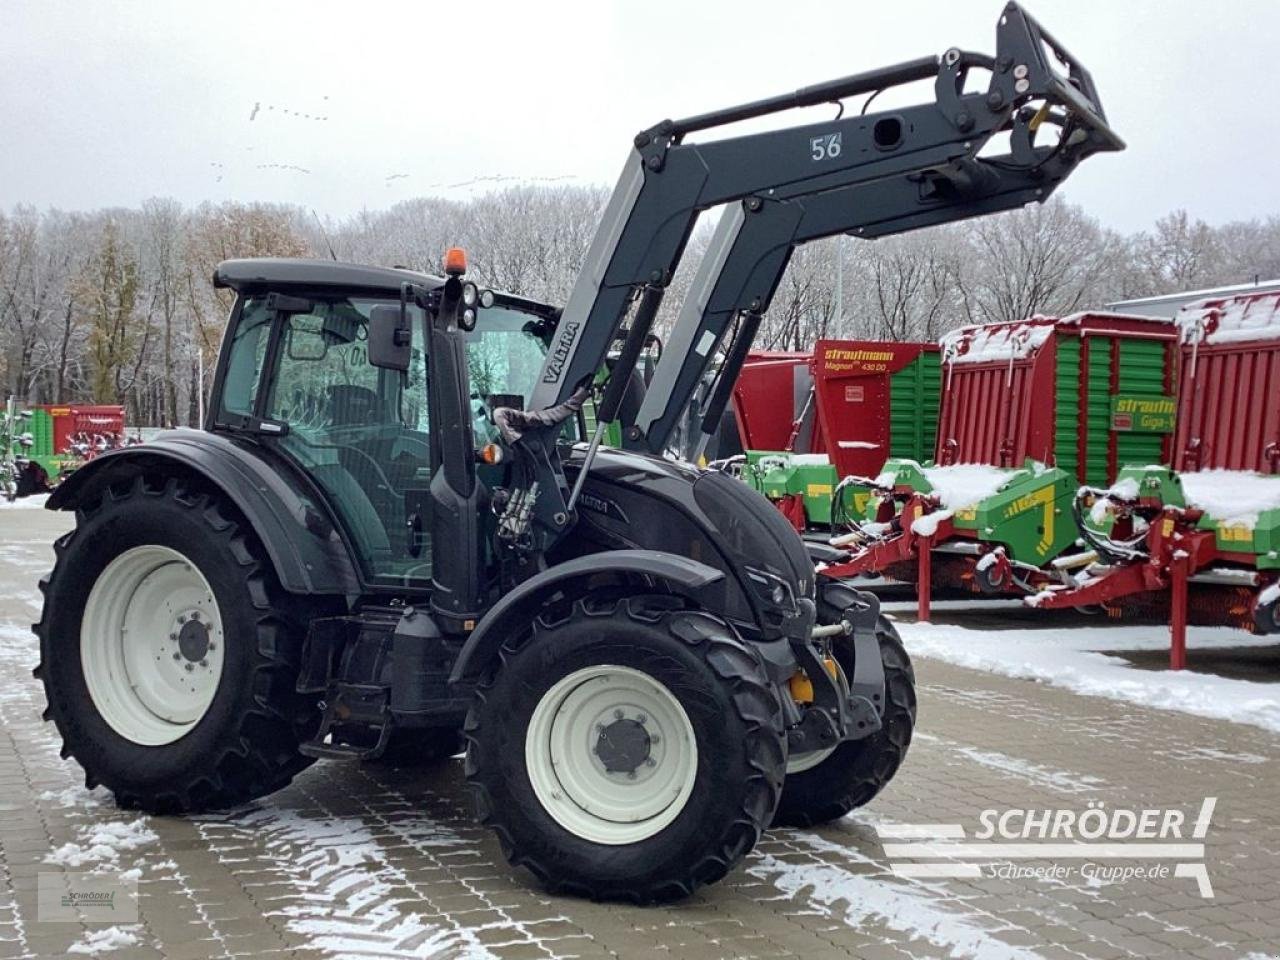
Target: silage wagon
(1030,411)
(1200,540)
(808,420)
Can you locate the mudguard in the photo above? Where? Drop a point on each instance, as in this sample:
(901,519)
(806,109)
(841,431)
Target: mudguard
(305,547)
(686,577)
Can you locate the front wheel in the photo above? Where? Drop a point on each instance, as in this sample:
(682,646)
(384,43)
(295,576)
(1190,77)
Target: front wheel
(629,749)
(826,784)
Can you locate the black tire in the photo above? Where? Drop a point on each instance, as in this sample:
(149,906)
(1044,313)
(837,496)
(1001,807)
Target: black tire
(246,744)
(737,722)
(32,479)
(858,769)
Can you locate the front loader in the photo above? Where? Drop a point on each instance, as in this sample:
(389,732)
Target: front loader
(387,537)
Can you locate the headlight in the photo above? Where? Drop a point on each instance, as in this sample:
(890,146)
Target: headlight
(772,589)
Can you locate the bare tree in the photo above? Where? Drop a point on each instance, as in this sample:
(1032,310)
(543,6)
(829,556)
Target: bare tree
(117,304)
(1180,254)
(109,288)
(164,225)
(1047,258)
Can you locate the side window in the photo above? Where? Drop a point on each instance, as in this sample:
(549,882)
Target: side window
(360,432)
(324,378)
(247,353)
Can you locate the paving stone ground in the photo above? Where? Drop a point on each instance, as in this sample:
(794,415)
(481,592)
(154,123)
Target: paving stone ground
(360,861)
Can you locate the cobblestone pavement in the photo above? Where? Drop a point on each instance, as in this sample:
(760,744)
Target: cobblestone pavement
(355,860)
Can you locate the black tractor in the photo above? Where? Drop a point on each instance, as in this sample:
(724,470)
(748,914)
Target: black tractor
(396,536)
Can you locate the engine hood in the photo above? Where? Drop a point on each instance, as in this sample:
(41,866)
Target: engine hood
(739,522)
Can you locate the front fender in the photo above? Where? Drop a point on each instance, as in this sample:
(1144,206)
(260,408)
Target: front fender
(305,548)
(683,576)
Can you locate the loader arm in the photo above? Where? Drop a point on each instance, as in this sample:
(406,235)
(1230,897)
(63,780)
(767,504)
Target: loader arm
(666,182)
(754,240)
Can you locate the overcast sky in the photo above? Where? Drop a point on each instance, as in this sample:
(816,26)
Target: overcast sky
(107,103)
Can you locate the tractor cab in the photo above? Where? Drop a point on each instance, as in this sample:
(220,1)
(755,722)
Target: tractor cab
(296,376)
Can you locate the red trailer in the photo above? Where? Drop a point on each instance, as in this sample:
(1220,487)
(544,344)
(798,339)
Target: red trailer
(1030,410)
(858,401)
(1055,390)
(875,400)
(1201,539)
(72,420)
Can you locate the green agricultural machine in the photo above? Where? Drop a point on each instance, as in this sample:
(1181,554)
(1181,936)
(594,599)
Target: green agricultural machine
(1030,411)
(1199,541)
(15,440)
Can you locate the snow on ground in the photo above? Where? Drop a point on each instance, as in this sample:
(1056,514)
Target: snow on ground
(861,898)
(104,941)
(103,843)
(19,647)
(35,502)
(1063,781)
(1074,659)
(77,797)
(1231,496)
(353,897)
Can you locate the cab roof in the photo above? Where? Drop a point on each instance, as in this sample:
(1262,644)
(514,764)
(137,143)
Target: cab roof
(257,273)
(249,274)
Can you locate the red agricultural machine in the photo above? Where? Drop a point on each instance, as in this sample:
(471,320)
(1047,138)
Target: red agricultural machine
(1200,541)
(807,420)
(1030,410)
(772,400)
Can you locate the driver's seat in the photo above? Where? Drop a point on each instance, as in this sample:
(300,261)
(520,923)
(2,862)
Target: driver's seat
(351,407)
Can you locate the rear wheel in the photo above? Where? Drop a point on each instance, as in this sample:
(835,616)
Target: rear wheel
(169,654)
(826,784)
(626,750)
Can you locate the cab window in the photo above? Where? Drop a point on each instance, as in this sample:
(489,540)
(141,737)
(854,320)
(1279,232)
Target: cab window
(361,433)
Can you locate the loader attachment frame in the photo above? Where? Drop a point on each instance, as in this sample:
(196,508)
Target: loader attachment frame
(666,183)
(753,244)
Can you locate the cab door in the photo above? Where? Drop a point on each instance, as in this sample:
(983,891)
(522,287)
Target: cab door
(302,377)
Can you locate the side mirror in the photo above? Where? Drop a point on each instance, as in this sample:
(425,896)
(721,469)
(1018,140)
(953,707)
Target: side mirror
(389,337)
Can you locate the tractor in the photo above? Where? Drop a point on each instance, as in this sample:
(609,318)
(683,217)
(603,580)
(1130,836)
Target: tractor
(395,535)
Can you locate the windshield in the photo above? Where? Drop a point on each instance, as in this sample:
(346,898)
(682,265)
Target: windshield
(505,351)
(504,357)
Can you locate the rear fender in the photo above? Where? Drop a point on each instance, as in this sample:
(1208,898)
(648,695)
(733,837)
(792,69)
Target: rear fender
(696,581)
(304,545)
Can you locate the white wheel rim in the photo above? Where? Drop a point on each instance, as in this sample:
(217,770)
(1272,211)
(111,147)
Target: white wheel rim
(568,772)
(151,645)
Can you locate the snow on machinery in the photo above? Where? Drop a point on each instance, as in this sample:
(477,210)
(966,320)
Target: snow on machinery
(1030,410)
(1200,539)
(857,403)
(644,671)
